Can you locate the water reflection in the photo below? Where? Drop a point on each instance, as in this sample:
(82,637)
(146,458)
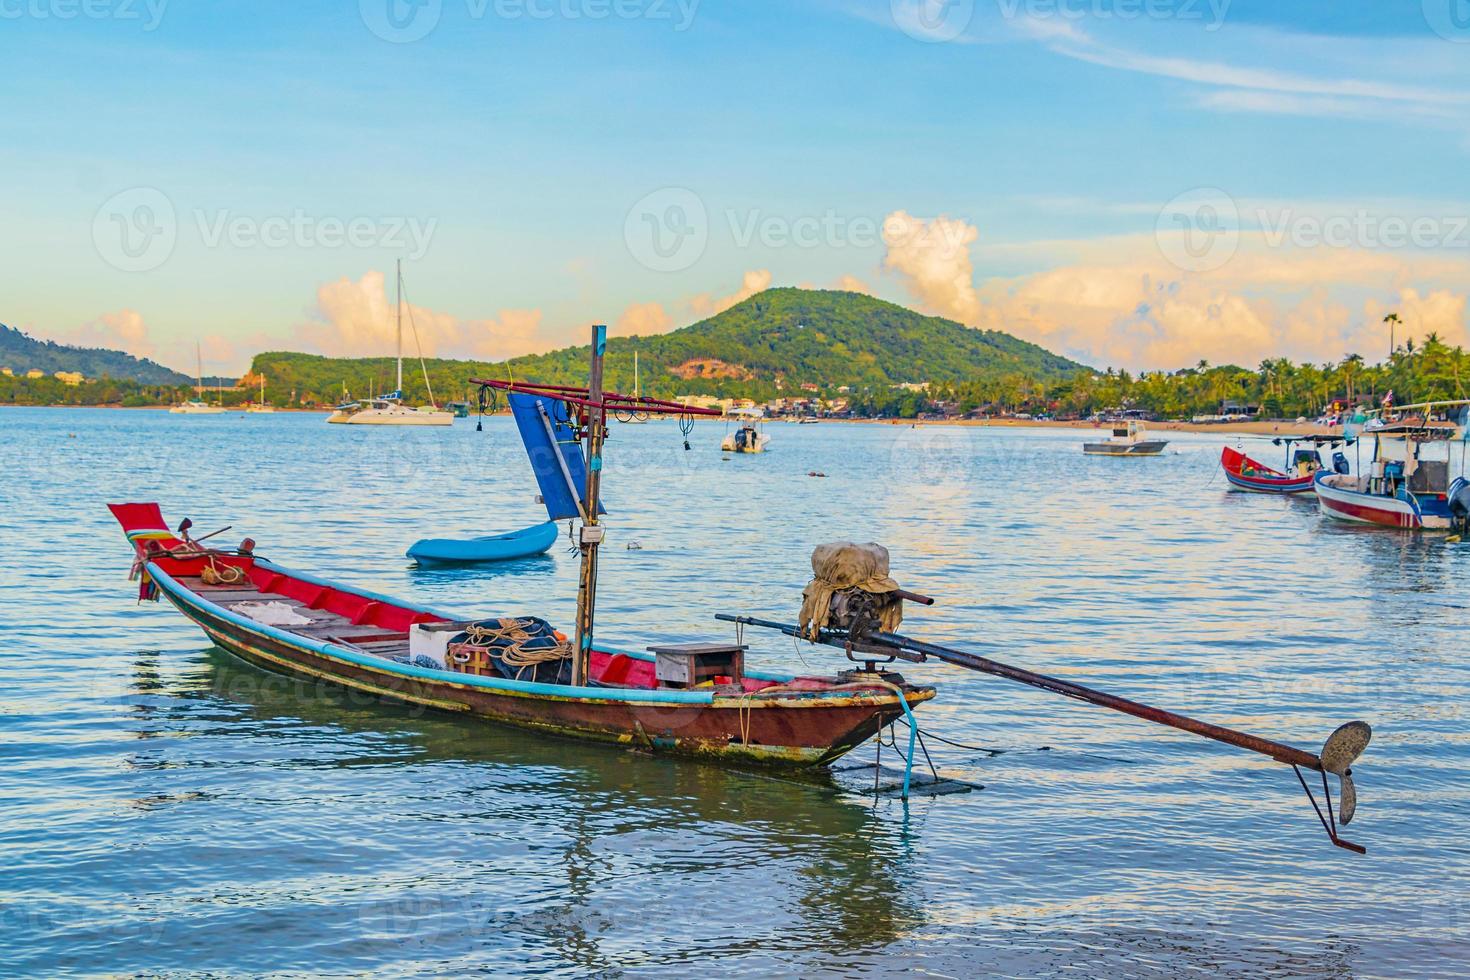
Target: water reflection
(604,824)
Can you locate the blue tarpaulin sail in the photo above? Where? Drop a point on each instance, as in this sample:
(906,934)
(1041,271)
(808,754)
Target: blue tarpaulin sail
(555,453)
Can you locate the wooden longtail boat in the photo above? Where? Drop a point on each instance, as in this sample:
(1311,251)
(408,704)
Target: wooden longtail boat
(360,640)
(1302,465)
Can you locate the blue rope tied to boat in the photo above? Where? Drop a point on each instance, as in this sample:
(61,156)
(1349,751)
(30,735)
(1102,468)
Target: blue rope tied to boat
(908,768)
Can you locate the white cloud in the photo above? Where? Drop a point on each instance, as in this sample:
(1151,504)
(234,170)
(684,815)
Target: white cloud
(643,318)
(123,330)
(754,281)
(933,256)
(357,319)
(1118,302)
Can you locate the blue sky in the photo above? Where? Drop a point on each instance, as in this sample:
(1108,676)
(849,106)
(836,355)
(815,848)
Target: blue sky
(515,153)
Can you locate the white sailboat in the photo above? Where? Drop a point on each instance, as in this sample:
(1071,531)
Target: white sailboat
(635,418)
(262,405)
(197,406)
(390,410)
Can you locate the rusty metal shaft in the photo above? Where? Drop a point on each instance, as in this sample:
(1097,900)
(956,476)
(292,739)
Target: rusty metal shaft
(1289,755)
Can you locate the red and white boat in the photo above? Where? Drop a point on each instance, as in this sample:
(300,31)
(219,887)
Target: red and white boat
(1302,466)
(1407,483)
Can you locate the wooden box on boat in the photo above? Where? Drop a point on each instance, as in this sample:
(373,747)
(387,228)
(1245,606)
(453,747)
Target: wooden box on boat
(691,664)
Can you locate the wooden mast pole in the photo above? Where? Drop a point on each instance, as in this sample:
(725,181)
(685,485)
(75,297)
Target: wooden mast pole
(591,529)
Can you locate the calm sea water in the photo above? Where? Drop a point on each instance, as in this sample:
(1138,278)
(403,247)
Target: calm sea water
(169,810)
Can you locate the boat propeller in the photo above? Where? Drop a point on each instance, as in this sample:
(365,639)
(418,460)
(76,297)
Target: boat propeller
(1339,752)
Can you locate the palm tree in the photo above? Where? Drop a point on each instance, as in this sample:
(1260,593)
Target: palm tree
(1350,365)
(1392,320)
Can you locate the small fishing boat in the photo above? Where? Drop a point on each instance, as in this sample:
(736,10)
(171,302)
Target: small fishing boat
(1129,439)
(460,410)
(1407,483)
(748,438)
(1302,465)
(292,622)
(498,547)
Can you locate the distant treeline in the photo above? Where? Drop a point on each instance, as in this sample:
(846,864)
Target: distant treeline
(1427,371)
(99,391)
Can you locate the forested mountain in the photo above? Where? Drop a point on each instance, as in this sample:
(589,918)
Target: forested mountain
(767,346)
(21,353)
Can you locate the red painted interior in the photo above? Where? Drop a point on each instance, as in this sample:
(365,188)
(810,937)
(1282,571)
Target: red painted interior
(613,669)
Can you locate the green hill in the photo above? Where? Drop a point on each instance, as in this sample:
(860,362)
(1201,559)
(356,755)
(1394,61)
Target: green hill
(21,353)
(768,346)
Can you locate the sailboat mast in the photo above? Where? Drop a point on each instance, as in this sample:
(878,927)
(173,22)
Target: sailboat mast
(398,306)
(636,392)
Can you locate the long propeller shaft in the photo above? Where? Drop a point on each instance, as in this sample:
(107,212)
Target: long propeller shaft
(1286,754)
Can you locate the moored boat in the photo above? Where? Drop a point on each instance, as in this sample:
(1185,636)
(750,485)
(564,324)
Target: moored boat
(1302,465)
(491,548)
(390,409)
(1129,438)
(748,438)
(1407,483)
(197,406)
(291,622)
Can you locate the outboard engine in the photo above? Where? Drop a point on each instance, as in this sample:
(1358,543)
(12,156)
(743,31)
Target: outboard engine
(1460,502)
(1340,463)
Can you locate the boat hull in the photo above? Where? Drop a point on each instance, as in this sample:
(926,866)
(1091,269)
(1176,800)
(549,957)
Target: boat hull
(473,551)
(408,416)
(1263,479)
(1345,498)
(784,736)
(1151,447)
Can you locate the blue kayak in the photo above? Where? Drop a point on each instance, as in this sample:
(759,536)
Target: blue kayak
(499,547)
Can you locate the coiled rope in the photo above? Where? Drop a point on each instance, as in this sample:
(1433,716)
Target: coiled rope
(509,638)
